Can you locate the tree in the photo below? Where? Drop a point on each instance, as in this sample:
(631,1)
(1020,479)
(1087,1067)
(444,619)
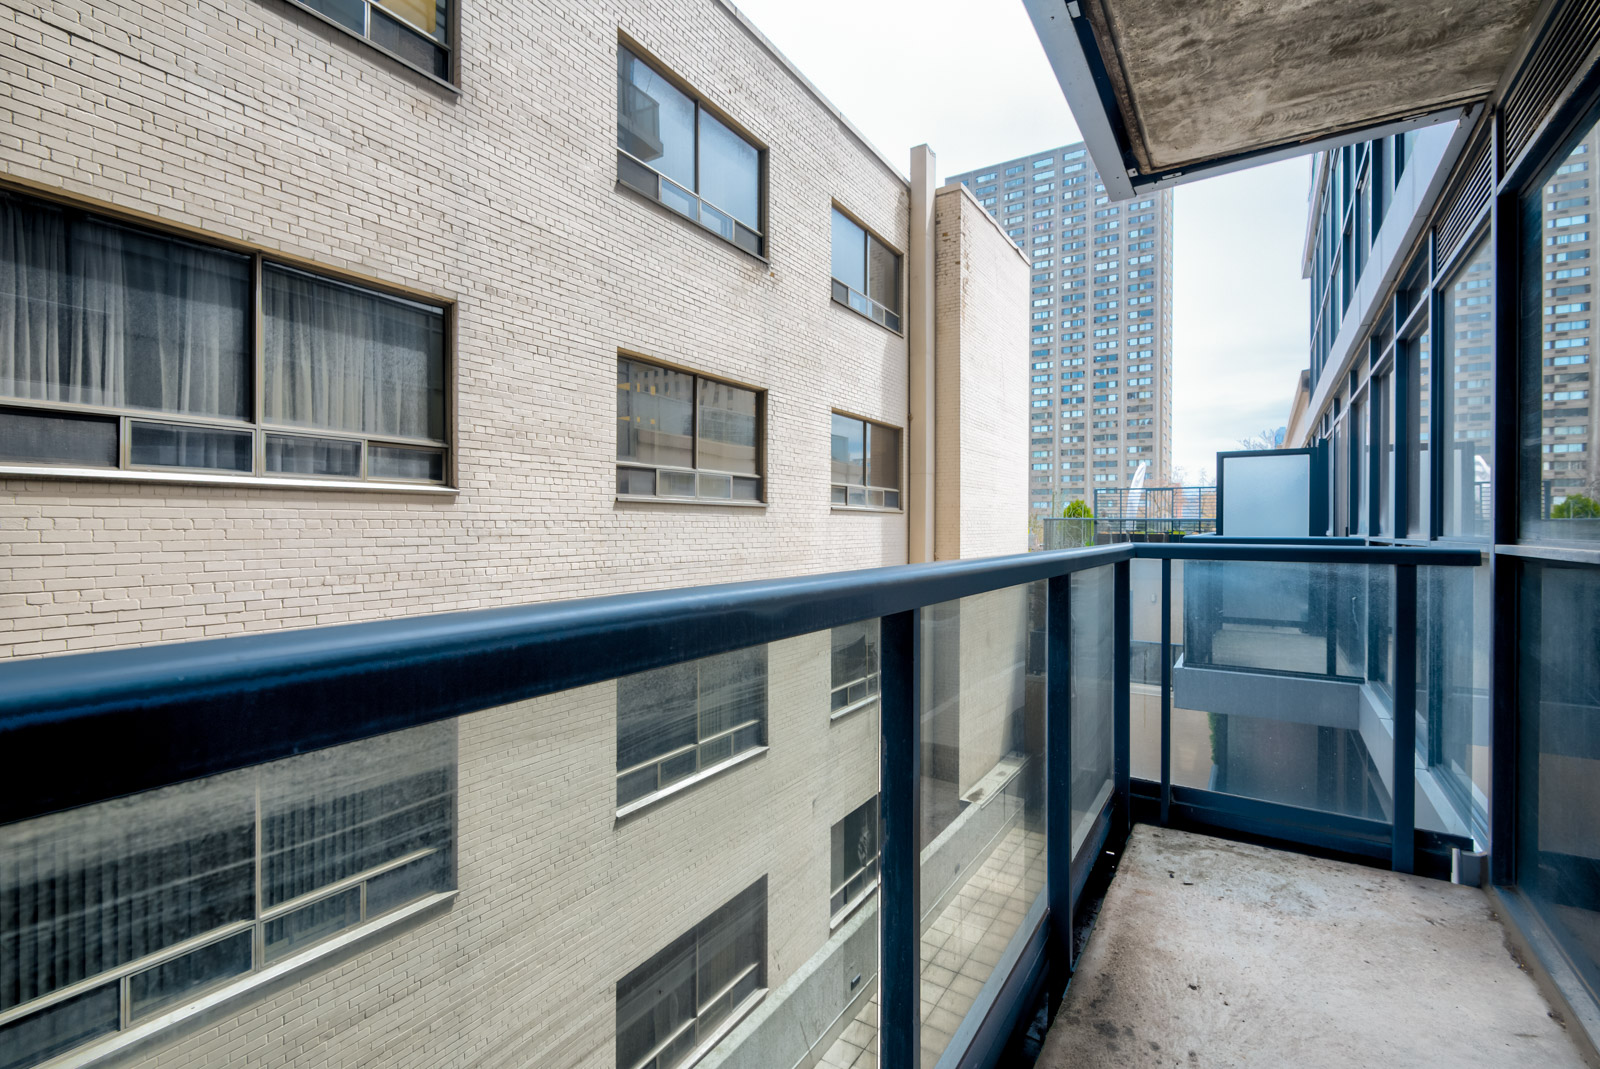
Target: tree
(1576,507)
(1077,510)
(1263,439)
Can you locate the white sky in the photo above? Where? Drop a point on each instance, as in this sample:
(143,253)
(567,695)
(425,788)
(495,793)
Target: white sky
(908,72)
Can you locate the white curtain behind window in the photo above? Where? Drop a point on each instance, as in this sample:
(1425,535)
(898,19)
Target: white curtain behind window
(95,314)
(33,294)
(347,360)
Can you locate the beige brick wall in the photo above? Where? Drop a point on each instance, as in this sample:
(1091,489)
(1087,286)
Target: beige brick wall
(253,122)
(559,900)
(981,323)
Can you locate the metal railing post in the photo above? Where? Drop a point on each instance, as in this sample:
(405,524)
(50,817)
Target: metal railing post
(1166,691)
(900,918)
(1122,671)
(1405,717)
(1058,766)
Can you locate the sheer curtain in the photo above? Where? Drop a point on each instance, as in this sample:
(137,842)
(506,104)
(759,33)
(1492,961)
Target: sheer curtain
(96,314)
(349,360)
(33,297)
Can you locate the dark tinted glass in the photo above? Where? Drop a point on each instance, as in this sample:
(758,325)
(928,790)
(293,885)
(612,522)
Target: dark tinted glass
(170,445)
(292,454)
(1558,781)
(58,1028)
(170,981)
(46,438)
(395,462)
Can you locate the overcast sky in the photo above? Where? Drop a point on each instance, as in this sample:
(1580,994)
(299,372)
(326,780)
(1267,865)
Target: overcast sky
(979,90)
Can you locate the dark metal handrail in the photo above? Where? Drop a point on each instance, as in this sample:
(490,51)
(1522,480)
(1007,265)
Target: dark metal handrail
(159,715)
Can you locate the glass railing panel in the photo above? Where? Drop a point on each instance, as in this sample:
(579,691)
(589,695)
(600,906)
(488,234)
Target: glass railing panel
(1144,669)
(1558,756)
(983,830)
(501,881)
(1452,706)
(1271,698)
(1093,689)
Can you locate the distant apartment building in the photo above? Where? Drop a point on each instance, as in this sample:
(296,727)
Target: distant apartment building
(332,311)
(1099,350)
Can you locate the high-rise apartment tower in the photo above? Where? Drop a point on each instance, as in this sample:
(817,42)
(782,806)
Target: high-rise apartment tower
(1100,327)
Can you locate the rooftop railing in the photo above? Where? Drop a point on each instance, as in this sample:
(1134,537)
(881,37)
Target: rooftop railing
(638,793)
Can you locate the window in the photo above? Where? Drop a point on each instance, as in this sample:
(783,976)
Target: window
(140,353)
(133,906)
(1556,497)
(416,31)
(690,993)
(681,721)
(1466,496)
(686,437)
(671,149)
(866,463)
(866,272)
(855,844)
(855,667)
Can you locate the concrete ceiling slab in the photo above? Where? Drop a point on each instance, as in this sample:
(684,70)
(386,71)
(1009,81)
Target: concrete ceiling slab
(1203,80)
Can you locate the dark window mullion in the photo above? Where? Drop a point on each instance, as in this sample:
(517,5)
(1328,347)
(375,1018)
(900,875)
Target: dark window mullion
(694,434)
(258,357)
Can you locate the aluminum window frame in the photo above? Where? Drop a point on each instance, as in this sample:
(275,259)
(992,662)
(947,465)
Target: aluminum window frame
(446,53)
(890,319)
(760,476)
(747,239)
(867,487)
(256,424)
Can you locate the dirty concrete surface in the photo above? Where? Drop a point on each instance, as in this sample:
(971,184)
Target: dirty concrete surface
(1214,954)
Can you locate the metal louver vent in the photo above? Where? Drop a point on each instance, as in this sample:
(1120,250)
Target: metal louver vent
(1568,39)
(1470,196)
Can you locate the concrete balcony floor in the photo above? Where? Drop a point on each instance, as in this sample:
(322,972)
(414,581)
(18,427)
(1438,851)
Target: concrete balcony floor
(1209,953)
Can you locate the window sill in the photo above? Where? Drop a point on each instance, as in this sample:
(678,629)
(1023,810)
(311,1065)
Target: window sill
(850,907)
(739,1013)
(433,79)
(195,478)
(853,707)
(702,502)
(641,804)
(862,315)
(868,509)
(219,1002)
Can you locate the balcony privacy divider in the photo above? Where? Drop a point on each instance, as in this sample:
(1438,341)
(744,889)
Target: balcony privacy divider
(82,729)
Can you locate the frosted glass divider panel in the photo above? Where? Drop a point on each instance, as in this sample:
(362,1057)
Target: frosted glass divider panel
(1264,494)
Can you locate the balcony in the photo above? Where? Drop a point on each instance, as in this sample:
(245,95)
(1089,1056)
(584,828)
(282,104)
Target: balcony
(887,817)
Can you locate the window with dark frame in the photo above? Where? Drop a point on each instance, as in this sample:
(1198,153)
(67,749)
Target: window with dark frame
(677,722)
(866,272)
(865,464)
(417,31)
(114,913)
(685,437)
(682,1000)
(674,151)
(854,846)
(137,351)
(855,667)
